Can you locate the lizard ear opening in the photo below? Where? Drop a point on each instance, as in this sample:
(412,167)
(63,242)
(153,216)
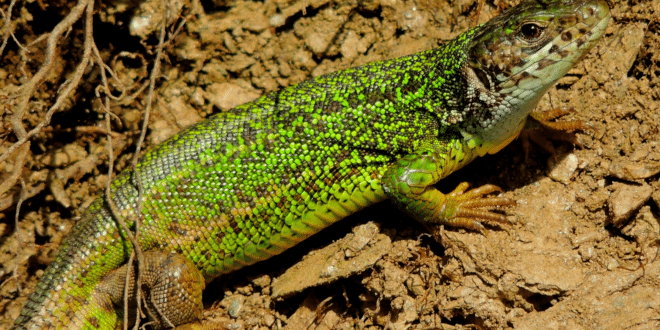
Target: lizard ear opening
(483,77)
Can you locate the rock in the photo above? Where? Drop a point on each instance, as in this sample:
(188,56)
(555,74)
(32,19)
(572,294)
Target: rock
(626,200)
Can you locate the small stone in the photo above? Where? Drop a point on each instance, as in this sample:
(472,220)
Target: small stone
(564,169)
(197,97)
(235,306)
(630,171)
(149,15)
(612,264)
(229,43)
(227,95)
(256,23)
(349,48)
(240,62)
(277,20)
(65,156)
(262,281)
(626,200)
(269,320)
(317,43)
(586,252)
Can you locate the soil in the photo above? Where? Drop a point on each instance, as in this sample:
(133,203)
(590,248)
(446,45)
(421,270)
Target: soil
(581,251)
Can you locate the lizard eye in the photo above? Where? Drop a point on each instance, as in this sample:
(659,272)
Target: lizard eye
(530,31)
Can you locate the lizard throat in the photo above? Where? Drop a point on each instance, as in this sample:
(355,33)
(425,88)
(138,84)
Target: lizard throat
(495,120)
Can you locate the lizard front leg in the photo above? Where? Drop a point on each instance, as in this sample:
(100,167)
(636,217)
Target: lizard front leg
(409,184)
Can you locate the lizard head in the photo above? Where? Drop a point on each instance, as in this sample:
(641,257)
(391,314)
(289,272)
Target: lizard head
(530,46)
(514,58)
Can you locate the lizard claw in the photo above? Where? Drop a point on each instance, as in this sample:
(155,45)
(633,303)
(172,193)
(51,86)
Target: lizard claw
(540,128)
(471,207)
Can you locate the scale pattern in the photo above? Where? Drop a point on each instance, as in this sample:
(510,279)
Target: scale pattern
(250,183)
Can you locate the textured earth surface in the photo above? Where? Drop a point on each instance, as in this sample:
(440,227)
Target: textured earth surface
(581,251)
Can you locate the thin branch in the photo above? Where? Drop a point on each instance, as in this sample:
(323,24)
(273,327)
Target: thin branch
(11,179)
(19,239)
(30,87)
(155,72)
(51,52)
(111,164)
(8,29)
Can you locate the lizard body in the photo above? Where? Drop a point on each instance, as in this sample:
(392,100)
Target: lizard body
(247,184)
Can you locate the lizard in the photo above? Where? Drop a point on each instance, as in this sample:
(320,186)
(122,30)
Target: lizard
(249,183)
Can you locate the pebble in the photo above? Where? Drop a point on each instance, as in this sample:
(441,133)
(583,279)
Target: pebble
(564,169)
(626,200)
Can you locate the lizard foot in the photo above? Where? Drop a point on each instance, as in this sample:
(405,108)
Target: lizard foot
(466,209)
(540,128)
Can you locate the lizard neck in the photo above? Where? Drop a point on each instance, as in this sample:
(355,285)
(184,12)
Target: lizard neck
(470,102)
(496,116)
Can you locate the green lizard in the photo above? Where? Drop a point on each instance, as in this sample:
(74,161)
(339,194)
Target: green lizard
(247,184)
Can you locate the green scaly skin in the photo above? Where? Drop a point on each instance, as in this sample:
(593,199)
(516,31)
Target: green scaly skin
(250,183)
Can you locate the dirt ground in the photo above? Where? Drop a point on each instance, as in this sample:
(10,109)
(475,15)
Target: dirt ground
(581,251)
